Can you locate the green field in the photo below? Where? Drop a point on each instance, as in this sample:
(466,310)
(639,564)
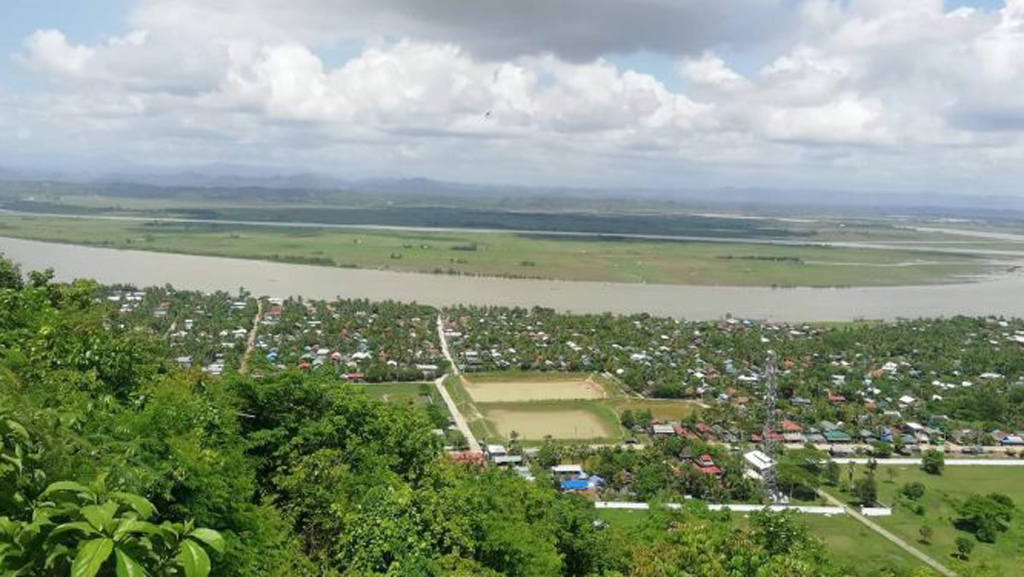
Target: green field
(863,551)
(582,420)
(515,255)
(666,410)
(562,420)
(404,393)
(941,495)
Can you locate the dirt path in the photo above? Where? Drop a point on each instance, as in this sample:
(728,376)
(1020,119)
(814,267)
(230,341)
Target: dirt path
(244,369)
(884,533)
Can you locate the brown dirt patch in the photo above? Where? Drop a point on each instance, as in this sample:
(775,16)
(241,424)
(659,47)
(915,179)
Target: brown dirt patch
(552,390)
(534,425)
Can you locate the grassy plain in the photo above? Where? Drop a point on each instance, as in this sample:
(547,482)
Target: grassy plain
(942,493)
(671,410)
(861,550)
(515,255)
(568,407)
(404,393)
(514,389)
(572,421)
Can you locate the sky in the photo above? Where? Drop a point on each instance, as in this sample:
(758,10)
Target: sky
(873,95)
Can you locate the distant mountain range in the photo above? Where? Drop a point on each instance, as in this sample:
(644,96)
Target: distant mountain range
(768,200)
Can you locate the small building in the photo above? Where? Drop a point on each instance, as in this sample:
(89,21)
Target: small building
(663,429)
(815,438)
(568,471)
(587,485)
(841,450)
(705,464)
(507,460)
(837,436)
(1012,441)
(467,457)
(758,462)
(794,438)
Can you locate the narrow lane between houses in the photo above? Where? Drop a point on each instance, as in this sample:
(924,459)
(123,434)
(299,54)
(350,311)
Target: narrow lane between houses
(251,342)
(460,420)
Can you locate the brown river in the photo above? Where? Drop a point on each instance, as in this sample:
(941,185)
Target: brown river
(1002,295)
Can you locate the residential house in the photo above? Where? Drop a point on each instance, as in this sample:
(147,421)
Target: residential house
(837,436)
(663,429)
(705,464)
(758,462)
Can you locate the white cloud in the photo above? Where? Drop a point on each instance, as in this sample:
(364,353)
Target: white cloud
(502,89)
(710,70)
(49,51)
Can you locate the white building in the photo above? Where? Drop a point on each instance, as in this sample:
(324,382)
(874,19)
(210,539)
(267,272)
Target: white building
(758,462)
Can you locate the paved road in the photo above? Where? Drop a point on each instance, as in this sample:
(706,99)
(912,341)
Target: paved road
(895,540)
(460,421)
(252,338)
(444,347)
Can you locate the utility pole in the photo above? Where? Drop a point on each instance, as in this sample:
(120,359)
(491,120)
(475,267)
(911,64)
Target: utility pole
(768,446)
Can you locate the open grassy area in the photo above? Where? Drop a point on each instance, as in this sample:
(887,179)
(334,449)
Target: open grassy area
(512,389)
(405,393)
(515,255)
(667,410)
(941,495)
(861,550)
(590,421)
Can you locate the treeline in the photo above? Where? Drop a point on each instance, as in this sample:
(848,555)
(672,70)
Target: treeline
(115,462)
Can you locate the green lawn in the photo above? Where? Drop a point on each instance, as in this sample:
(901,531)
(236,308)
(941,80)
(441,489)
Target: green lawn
(861,549)
(533,256)
(404,393)
(941,495)
(551,412)
(864,552)
(669,410)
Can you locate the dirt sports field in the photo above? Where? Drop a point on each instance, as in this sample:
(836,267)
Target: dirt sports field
(554,388)
(560,424)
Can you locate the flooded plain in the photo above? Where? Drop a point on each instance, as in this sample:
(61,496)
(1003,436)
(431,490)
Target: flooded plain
(999,295)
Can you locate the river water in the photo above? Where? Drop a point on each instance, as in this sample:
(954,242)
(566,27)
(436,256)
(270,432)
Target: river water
(1003,295)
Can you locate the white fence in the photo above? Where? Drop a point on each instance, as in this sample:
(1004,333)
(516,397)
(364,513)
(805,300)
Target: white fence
(741,508)
(950,462)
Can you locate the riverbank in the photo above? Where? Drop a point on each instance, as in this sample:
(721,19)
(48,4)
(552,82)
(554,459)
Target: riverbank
(998,295)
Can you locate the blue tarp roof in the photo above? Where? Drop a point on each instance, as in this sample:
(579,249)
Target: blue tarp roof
(575,485)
